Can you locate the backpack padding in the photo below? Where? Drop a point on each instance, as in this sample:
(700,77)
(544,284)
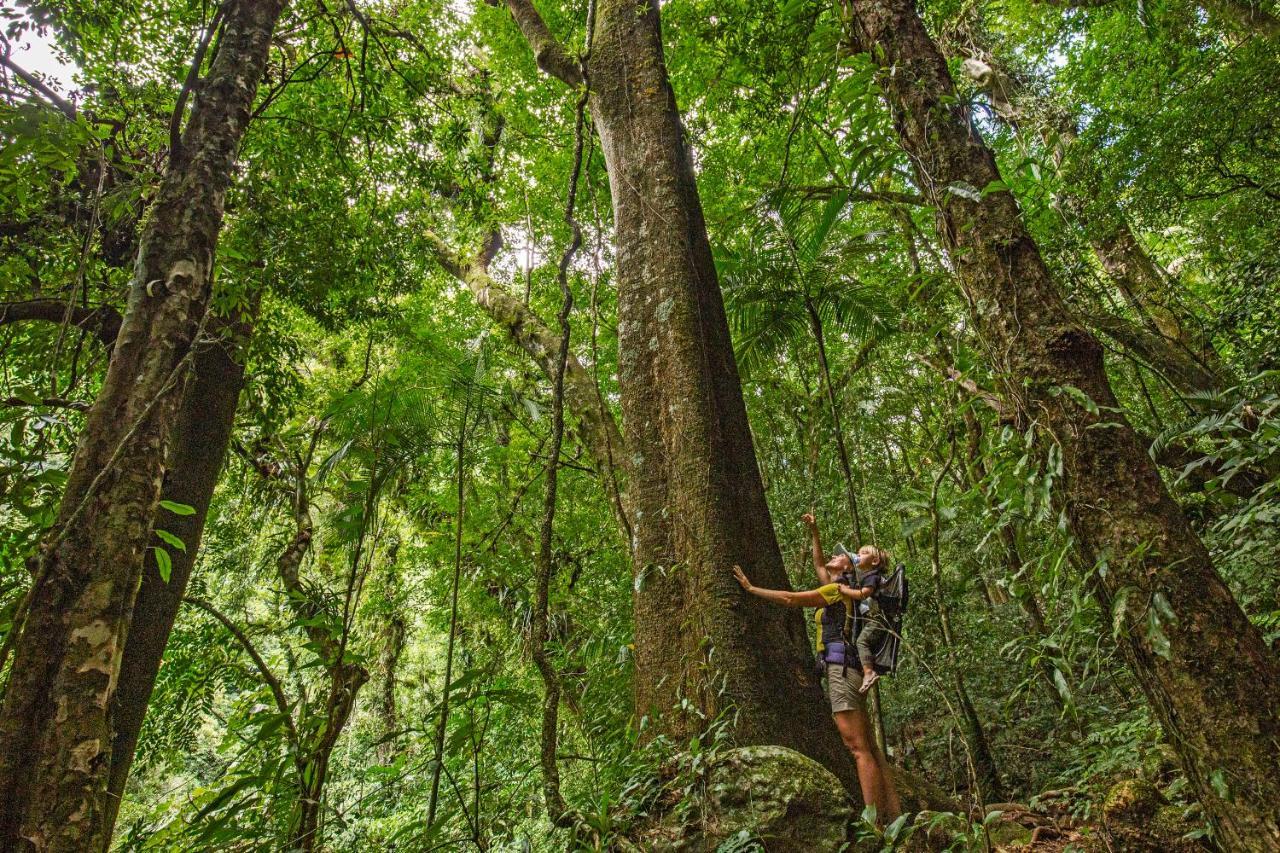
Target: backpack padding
(892,593)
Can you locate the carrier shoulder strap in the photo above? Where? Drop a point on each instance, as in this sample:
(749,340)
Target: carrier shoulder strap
(849,612)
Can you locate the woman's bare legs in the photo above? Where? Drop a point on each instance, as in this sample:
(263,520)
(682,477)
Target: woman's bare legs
(874,775)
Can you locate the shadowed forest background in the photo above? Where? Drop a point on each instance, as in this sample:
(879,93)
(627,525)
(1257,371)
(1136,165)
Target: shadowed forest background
(384,406)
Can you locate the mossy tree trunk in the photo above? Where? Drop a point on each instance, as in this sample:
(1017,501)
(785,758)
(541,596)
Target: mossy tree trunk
(198,447)
(1212,682)
(55,725)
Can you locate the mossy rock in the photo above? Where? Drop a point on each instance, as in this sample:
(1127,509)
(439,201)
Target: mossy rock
(758,798)
(1138,816)
(1132,801)
(938,830)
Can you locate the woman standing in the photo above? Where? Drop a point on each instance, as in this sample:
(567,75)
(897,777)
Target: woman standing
(848,701)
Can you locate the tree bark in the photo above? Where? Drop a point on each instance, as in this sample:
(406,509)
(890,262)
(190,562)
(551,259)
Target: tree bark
(696,499)
(55,725)
(1212,682)
(198,448)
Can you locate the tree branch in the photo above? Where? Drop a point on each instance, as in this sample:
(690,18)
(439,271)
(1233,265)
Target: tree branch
(58,102)
(104,321)
(277,690)
(189,85)
(597,428)
(53,402)
(550,55)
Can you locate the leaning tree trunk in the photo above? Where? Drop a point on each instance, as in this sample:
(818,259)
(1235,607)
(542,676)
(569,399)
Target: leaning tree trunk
(198,447)
(1211,680)
(1169,339)
(55,725)
(696,500)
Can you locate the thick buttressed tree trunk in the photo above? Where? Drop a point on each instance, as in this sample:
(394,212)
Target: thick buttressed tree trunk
(198,447)
(1215,685)
(695,496)
(698,504)
(55,725)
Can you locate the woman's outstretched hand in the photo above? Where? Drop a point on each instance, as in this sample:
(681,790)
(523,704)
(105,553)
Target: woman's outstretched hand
(742,578)
(808,519)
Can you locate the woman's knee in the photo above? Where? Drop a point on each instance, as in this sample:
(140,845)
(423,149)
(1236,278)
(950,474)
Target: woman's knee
(859,749)
(856,743)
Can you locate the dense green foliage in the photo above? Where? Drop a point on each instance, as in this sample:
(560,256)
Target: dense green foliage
(378,384)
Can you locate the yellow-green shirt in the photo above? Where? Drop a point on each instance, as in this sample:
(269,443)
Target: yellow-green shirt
(831,595)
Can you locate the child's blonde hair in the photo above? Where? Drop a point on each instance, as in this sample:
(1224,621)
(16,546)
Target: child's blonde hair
(882,556)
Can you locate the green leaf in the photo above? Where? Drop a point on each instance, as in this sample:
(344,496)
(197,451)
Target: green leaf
(1218,780)
(164,563)
(1156,637)
(1118,607)
(1162,606)
(1086,402)
(170,539)
(177,508)
(893,830)
(1060,681)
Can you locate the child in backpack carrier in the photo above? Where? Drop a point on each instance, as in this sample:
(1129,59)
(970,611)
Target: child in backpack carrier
(869,565)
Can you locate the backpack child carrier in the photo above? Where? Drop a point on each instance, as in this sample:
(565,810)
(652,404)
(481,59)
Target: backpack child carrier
(839,627)
(893,596)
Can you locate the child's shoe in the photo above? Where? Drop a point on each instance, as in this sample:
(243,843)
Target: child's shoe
(867,680)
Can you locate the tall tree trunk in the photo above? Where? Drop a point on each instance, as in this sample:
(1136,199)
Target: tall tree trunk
(198,447)
(842,452)
(391,646)
(442,724)
(55,725)
(1212,682)
(696,499)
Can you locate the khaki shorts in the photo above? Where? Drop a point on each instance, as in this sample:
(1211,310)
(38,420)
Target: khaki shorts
(842,689)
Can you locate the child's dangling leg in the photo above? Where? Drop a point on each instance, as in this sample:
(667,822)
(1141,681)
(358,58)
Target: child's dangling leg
(868,642)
